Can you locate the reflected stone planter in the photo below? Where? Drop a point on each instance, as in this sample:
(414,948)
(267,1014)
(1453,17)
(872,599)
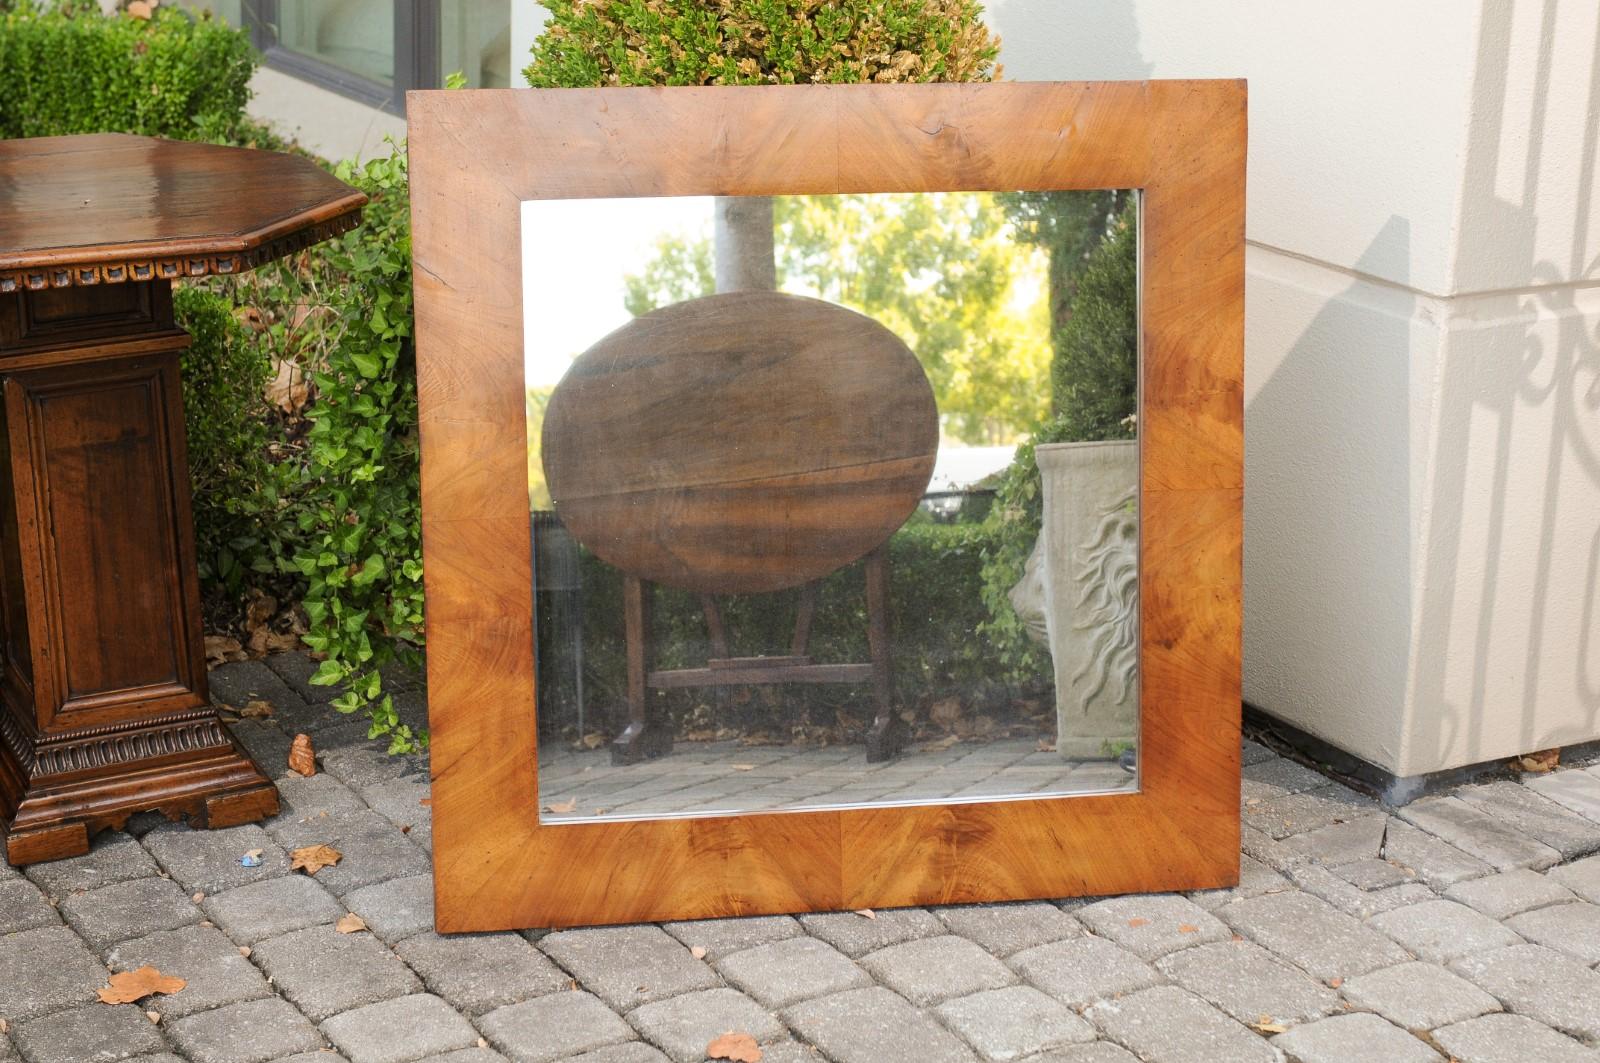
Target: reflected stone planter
(1080,592)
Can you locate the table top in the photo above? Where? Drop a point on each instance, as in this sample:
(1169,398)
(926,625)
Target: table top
(741,442)
(107,207)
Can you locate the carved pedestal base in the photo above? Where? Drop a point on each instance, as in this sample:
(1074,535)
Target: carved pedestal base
(102,672)
(57,794)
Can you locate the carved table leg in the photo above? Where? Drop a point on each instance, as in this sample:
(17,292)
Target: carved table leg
(106,711)
(647,734)
(887,734)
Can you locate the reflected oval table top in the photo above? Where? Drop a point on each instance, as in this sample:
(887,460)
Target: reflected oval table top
(742,442)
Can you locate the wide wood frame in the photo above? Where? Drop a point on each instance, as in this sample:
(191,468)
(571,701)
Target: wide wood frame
(476,155)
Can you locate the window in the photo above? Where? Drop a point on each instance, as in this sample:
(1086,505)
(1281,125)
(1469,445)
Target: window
(375,50)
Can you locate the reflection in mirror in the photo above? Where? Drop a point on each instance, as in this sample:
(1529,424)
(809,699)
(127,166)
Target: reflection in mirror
(834,499)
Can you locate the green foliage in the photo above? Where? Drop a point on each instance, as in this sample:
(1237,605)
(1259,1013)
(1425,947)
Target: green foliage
(1095,375)
(943,271)
(69,69)
(360,516)
(240,517)
(756,42)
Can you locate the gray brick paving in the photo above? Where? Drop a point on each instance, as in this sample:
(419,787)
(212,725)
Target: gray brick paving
(23,906)
(128,909)
(1440,930)
(553,1027)
(253,1032)
(1509,893)
(248,914)
(1418,996)
(1171,1025)
(1540,983)
(929,970)
(1356,1038)
(45,970)
(1571,928)
(787,972)
(1010,1023)
(399,1030)
(1509,1039)
(217,974)
(1249,983)
(1003,929)
(629,965)
(95,1033)
(324,972)
(1085,969)
(682,1026)
(476,973)
(859,1025)
(1336,898)
(1309,933)
(1152,926)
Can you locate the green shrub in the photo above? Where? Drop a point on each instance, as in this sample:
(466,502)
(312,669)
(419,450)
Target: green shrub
(240,511)
(69,69)
(1095,378)
(754,42)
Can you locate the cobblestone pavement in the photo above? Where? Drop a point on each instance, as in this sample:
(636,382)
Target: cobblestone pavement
(1464,926)
(727,776)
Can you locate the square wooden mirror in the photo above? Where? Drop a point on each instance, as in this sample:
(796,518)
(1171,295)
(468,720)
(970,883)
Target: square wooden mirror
(728,479)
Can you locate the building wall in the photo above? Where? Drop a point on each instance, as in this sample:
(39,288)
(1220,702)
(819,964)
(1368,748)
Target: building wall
(1422,544)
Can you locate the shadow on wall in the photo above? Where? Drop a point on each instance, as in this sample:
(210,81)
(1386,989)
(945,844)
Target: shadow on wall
(1518,424)
(1327,494)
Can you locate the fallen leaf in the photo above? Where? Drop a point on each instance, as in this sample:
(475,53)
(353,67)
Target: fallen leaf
(483,1042)
(558,807)
(288,390)
(1542,761)
(154,1017)
(302,758)
(738,1047)
(314,858)
(350,923)
(221,649)
(128,986)
(1266,1025)
(244,950)
(1185,928)
(593,740)
(139,9)
(698,952)
(742,767)
(867,912)
(1137,922)
(945,713)
(1045,746)
(256,710)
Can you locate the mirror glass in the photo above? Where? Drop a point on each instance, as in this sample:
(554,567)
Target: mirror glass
(834,499)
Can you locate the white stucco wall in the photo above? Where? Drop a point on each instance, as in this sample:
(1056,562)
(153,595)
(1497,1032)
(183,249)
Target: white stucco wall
(1422,546)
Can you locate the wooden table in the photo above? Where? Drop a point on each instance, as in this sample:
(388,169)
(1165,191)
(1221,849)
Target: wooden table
(106,711)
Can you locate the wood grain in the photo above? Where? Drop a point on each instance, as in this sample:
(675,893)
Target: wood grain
(474,156)
(740,443)
(106,710)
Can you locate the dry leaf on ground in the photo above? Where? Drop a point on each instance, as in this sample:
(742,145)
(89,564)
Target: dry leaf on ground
(562,806)
(738,1047)
(698,952)
(302,758)
(128,986)
(221,649)
(288,390)
(593,740)
(256,710)
(1542,761)
(350,924)
(867,912)
(1045,746)
(154,1017)
(313,858)
(742,767)
(1266,1025)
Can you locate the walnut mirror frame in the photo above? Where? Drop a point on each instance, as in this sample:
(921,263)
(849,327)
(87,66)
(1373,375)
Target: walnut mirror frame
(476,155)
